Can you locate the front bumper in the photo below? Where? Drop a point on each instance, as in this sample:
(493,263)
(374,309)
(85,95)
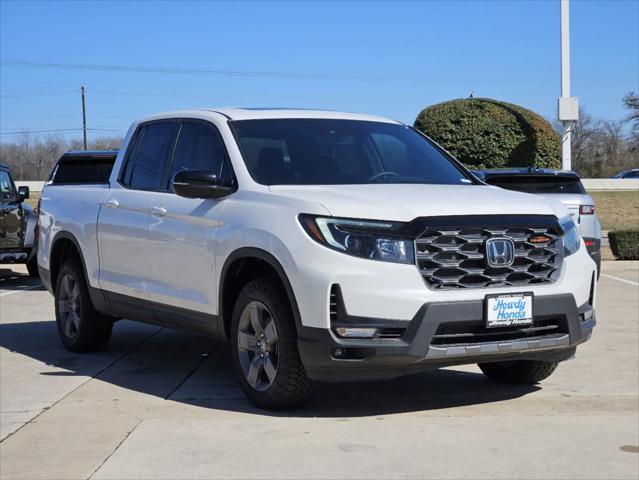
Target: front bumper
(421,346)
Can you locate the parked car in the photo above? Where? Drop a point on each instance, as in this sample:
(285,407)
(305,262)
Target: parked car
(633,173)
(561,185)
(323,246)
(17,224)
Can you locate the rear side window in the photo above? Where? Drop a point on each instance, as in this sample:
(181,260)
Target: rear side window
(78,171)
(538,184)
(199,147)
(147,160)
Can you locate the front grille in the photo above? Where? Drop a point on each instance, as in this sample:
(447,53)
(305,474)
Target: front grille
(455,257)
(468,333)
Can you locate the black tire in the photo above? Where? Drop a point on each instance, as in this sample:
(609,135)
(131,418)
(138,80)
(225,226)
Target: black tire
(32,265)
(522,372)
(89,330)
(598,262)
(290,387)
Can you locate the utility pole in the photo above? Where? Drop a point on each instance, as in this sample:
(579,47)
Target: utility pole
(568,107)
(84,118)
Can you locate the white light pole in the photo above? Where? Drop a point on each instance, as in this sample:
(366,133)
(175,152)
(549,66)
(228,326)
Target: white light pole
(568,107)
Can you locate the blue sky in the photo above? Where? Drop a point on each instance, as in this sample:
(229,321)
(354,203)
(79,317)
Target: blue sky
(391,59)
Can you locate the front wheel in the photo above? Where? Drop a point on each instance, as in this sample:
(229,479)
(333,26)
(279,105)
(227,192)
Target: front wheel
(264,347)
(81,328)
(527,372)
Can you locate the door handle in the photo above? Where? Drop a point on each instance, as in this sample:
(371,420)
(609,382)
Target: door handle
(112,204)
(159,211)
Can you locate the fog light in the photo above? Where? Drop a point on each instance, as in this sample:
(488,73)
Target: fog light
(348,332)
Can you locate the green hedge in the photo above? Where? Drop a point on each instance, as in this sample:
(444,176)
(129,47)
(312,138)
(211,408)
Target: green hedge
(624,244)
(485,133)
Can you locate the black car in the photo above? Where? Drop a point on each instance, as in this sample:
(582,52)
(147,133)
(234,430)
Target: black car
(633,173)
(17,224)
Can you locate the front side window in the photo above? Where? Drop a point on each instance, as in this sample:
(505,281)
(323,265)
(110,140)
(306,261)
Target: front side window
(7,190)
(146,164)
(199,147)
(333,152)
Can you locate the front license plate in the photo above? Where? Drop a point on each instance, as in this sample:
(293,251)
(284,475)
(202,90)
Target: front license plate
(509,310)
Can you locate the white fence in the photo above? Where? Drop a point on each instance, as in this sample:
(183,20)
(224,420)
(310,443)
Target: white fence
(591,184)
(597,184)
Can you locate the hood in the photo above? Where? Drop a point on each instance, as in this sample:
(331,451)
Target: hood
(404,202)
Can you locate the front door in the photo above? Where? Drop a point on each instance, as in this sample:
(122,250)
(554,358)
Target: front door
(183,233)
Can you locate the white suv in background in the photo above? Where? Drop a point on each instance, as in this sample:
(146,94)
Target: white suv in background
(323,246)
(561,185)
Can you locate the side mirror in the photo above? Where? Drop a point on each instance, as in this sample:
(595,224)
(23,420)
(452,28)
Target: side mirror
(199,184)
(23,193)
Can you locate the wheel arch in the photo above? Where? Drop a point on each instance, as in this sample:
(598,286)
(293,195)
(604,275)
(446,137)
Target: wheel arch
(65,245)
(234,275)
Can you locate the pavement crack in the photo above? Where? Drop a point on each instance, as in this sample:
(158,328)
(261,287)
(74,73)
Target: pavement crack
(192,371)
(97,374)
(115,449)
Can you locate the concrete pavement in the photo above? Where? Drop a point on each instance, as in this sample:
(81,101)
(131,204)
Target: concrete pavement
(165,404)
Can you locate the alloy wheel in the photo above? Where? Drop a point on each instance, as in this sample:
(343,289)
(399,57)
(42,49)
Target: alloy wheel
(258,345)
(69,306)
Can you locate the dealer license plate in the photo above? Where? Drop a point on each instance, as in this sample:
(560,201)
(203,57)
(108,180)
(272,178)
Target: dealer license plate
(514,309)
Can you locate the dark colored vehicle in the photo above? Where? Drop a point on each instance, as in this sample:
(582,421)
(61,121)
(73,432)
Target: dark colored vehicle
(633,173)
(561,185)
(17,224)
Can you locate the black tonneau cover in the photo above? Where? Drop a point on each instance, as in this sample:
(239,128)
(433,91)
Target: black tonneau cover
(91,167)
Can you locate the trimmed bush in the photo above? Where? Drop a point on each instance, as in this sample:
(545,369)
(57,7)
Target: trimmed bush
(485,133)
(625,244)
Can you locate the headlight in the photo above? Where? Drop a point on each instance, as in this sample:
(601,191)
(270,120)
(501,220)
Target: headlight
(572,239)
(360,238)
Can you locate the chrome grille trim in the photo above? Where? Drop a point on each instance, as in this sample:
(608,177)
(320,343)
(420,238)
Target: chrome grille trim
(451,257)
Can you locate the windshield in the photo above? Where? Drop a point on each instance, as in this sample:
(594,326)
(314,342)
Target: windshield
(334,152)
(538,184)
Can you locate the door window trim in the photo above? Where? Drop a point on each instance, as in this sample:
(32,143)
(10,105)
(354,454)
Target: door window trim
(140,132)
(216,131)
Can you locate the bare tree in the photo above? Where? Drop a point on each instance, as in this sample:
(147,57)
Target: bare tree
(32,158)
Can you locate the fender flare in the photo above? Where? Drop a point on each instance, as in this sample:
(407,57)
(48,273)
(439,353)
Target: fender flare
(252,252)
(97,297)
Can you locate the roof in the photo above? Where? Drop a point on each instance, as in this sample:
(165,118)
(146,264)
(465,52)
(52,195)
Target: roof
(269,113)
(4,166)
(89,155)
(525,171)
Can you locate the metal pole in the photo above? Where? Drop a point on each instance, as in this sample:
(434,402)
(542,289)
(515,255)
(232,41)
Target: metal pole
(565,82)
(84,119)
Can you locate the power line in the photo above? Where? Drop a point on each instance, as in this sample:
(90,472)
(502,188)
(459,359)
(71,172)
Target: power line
(193,71)
(27,132)
(39,94)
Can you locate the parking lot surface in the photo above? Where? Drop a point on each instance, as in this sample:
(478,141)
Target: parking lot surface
(165,404)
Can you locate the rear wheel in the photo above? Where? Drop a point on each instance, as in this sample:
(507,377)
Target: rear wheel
(81,328)
(32,265)
(264,346)
(518,371)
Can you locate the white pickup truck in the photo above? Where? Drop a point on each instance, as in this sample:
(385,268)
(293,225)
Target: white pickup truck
(323,246)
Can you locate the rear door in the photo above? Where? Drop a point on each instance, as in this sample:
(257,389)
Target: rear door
(125,215)
(10,213)
(182,235)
